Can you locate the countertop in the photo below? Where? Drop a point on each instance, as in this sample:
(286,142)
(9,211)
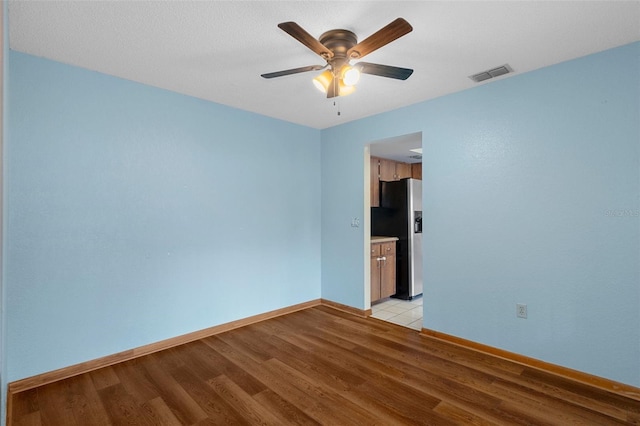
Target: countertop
(381,239)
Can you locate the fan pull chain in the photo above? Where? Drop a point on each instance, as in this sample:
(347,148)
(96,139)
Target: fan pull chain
(336,100)
(336,92)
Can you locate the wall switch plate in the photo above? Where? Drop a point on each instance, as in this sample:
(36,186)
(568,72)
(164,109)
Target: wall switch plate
(521,310)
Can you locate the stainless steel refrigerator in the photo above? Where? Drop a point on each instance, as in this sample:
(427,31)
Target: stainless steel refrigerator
(400,215)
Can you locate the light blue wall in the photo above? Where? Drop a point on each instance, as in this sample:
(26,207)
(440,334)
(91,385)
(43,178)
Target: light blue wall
(531,195)
(3,129)
(135,214)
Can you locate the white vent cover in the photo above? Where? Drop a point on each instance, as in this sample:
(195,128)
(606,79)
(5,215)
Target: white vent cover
(494,72)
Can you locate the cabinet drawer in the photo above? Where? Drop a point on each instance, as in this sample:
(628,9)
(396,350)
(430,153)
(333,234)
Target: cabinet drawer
(387,248)
(383,249)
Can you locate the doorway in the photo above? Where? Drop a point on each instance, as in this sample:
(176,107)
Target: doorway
(391,159)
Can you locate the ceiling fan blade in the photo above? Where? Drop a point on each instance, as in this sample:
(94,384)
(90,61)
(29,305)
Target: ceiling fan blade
(292,71)
(383,36)
(297,32)
(384,70)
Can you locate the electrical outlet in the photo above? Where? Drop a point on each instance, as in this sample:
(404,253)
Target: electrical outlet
(521,310)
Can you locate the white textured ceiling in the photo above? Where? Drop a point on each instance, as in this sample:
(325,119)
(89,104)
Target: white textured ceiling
(216,50)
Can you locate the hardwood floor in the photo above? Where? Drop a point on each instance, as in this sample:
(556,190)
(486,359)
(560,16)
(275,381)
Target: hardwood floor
(319,366)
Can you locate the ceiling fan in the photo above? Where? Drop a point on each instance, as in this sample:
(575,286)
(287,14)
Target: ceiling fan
(338,48)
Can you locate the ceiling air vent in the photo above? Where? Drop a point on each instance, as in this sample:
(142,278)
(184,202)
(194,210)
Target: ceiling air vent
(416,157)
(495,72)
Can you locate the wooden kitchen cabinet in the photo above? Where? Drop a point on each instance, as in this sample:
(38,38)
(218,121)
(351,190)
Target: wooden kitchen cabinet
(375,183)
(416,171)
(383,170)
(390,170)
(403,170)
(387,170)
(383,270)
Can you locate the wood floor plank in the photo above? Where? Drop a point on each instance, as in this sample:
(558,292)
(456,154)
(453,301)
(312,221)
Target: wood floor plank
(29,419)
(377,370)
(249,408)
(633,418)
(324,399)
(286,412)
(174,395)
(533,381)
(460,415)
(122,408)
(160,413)
(85,402)
(613,402)
(411,406)
(135,380)
(561,409)
(346,390)
(257,350)
(375,347)
(104,377)
(27,403)
(309,398)
(338,363)
(222,366)
(462,356)
(320,366)
(217,409)
(307,359)
(200,359)
(446,375)
(54,405)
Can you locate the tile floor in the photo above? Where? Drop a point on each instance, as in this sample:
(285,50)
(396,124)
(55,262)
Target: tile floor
(402,312)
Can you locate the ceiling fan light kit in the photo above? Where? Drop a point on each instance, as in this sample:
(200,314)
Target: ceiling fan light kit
(338,48)
(345,81)
(350,75)
(323,80)
(345,89)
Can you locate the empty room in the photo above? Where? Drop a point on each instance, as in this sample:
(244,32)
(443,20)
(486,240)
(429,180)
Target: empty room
(306,212)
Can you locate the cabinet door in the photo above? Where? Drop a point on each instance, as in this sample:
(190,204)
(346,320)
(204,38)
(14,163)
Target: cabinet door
(387,170)
(403,170)
(388,270)
(416,171)
(375,182)
(375,271)
(375,278)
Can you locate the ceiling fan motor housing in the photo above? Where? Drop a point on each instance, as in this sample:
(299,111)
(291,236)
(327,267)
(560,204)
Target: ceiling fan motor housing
(339,42)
